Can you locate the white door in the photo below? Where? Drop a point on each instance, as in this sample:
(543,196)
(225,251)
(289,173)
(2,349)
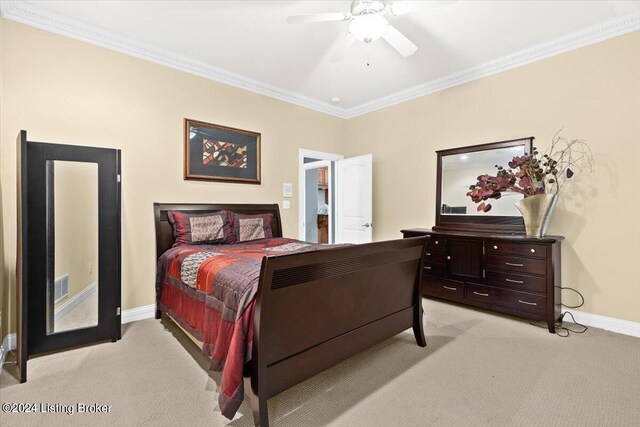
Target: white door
(354,200)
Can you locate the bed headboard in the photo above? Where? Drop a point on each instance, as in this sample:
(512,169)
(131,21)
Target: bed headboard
(164,231)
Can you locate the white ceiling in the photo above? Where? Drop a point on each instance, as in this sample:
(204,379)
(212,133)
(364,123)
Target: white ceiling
(249,44)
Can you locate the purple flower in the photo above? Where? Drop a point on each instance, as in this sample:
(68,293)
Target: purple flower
(518,161)
(518,180)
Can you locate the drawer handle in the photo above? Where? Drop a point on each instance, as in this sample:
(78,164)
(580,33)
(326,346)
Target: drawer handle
(428,254)
(495,247)
(448,257)
(533,251)
(514,265)
(514,281)
(528,303)
(451,289)
(427,268)
(436,242)
(481,294)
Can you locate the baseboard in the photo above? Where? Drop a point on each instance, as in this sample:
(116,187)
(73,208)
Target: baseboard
(69,305)
(138,313)
(131,315)
(612,324)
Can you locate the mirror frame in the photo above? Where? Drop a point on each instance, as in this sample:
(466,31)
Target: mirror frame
(478,223)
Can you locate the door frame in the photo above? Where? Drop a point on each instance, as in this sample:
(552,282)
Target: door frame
(318,155)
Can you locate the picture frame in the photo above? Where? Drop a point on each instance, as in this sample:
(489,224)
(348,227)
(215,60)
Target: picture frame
(220,153)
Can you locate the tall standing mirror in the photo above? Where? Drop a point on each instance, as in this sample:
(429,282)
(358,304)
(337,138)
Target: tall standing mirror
(68,247)
(458,169)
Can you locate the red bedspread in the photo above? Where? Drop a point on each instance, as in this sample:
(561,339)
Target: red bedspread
(210,290)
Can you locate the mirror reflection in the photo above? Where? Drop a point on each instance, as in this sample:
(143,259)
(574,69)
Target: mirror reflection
(73,227)
(459,171)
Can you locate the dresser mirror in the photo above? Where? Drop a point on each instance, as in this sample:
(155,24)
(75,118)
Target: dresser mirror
(458,169)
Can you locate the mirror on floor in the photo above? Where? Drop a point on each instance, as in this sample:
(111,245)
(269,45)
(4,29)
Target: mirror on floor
(68,265)
(72,210)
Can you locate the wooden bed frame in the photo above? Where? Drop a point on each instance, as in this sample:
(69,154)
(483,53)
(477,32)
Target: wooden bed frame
(316,309)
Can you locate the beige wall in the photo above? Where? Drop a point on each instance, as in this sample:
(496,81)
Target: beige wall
(594,92)
(65,91)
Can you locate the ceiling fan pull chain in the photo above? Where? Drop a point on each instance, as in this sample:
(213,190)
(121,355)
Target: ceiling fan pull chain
(368,52)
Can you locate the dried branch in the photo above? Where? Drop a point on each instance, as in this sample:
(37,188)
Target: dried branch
(568,157)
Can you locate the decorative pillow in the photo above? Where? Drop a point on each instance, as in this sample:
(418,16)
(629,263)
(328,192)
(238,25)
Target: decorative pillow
(252,227)
(200,229)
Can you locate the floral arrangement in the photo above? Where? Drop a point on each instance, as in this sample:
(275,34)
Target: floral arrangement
(534,173)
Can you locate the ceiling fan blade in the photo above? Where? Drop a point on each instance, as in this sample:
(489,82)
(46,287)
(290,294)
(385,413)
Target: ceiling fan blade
(342,51)
(399,42)
(319,17)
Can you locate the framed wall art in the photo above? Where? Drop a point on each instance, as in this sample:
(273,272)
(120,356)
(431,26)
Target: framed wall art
(220,153)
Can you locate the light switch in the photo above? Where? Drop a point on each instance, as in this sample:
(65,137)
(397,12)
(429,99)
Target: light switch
(286,204)
(287,189)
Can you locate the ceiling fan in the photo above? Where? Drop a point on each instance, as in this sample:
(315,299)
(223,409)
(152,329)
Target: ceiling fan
(367,23)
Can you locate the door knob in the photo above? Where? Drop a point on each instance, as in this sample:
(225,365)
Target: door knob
(367,225)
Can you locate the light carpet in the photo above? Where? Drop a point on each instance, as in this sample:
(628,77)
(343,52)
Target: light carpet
(478,369)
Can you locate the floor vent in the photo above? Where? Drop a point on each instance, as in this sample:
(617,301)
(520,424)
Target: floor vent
(61,288)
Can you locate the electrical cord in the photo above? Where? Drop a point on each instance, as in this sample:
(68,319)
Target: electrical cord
(562,330)
(579,294)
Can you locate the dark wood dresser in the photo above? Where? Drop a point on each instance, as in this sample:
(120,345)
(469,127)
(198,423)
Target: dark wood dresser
(512,274)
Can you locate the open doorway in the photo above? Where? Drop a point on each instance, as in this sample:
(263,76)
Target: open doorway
(335,198)
(317,196)
(319,202)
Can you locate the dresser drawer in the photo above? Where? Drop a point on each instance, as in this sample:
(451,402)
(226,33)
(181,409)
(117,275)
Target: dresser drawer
(517,249)
(433,269)
(519,301)
(517,282)
(442,288)
(516,265)
(434,255)
(436,242)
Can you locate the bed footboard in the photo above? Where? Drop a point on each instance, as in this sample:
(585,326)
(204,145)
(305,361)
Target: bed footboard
(316,309)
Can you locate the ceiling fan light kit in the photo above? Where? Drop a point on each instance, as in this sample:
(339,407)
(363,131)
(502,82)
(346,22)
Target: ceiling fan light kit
(368,28)
(367,23)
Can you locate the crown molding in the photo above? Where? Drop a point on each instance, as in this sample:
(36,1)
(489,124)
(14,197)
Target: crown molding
(566,43)
(35,16)
(39,17)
